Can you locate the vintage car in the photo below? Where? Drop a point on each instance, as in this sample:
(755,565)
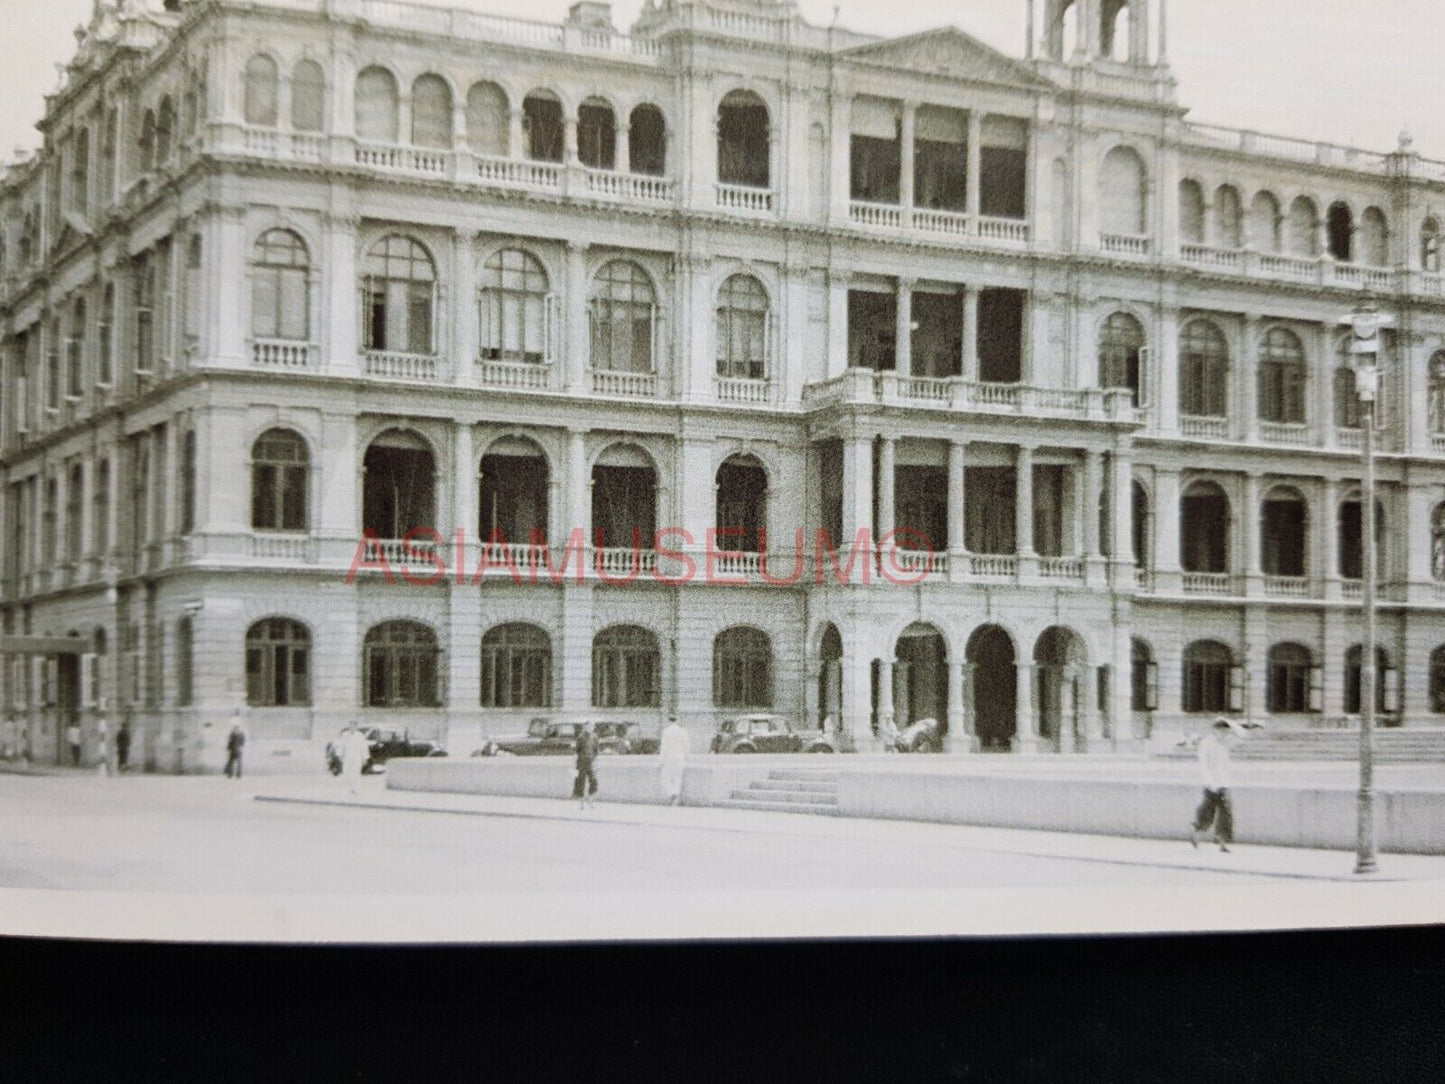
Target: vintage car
(553,738)
(924,736)
(768,734)
(385,745)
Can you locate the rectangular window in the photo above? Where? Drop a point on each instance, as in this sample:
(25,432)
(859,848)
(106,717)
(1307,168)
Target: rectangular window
(185,663)
(100,506)
(1282,393)
(144,311)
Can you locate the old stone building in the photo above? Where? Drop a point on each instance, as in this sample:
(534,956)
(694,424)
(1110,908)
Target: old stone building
(288,274)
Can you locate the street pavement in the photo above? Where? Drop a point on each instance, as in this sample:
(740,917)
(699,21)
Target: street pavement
(68,842)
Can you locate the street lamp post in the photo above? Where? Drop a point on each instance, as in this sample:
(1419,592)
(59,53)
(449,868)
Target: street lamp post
(1366,322)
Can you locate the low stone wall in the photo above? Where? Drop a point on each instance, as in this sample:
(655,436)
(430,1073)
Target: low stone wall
(1409,821)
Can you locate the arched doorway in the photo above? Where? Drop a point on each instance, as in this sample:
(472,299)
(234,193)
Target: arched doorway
(994,688)
(830,676)
(920,678)
(1060,688)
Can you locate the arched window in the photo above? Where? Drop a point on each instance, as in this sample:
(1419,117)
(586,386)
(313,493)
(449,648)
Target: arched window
(513,308)
(188,482)
(1191,212)
(165,130)
(1121,352)
(1289,680)
(280,287)
(378,109)
(1348,412)
(399,487)
(1352,544)
(308,97)
(280,466)
(431,113)
(624,499)
(1264,223)
(1123,194)
(742,670)
(80,175)
(1340,231)
(262,91)
(146,148)
(1203,371)
(400,666)
(1437,544)
(193,291)
(624,319)
(1374,246)
(1208,677)
(626,668)
(398,297)
(1284,533)
(1354,686)
(488,121)
(742,505)
(742,329)
(1437,681)
(1141,526)
(1204,522)
(1436,392)
(514,490)
(743,141)
(1144,677)
(516,667)
(185,662)
(1430,246)
(1282,377)
(647,141)
(1228,217)
(542,126)
(1302,228)
(597,134)
(278,664)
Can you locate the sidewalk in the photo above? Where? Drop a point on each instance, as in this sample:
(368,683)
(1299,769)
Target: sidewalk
(1282,862)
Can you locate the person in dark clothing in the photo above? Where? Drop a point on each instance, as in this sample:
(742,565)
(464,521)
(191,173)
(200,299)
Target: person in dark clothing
(585,788)
(122,746)
(235,746)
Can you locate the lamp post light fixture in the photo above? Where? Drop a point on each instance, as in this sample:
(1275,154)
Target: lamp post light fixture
(1367,321)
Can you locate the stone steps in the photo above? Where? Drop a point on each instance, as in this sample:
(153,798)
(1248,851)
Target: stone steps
(790,790)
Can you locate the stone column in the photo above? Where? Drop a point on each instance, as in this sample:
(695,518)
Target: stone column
(516,134)
(1327,518)
(1026,739)
(957,518)
(1090,720)
(230,301)
(1165,363)
(974,167)
(903,326)
(837,363)
(970,333)
(840,196)
(340,347)
(1167,575)
(1096,561)
(1247,380)
(575,304)
(907,149)
(887,491)
(624,149)
(1068,709)
(960,737)
(466,346)
(1250,537)
(857,719)
(466,493)
(886,712)
(1121,693)
(579,491)
(1024,510)
(857,488)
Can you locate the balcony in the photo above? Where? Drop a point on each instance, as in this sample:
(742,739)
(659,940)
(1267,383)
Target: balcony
(953,224)
(864,386)
(283,354)
(1287,587)
(618,385)
(1070,569)
(436,163)
(745,200)
(1216,259)
(743,392)
(517,173)
(1125,247)
(282,547)
(629,187)
(993,566)
(1284,432)
(1298,268)
(1207,583)
(624,563)
(887,216)
(393,366)
(514,375)
(1207,428)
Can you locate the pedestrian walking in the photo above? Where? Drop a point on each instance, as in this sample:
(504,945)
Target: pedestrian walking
(72,737)
(235,747)
(355,752)
(1214,769)
(585,788)
(676,745)
(122,746)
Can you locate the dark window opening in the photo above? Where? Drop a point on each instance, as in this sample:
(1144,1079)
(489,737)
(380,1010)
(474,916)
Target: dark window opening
(278,670)
(1284,524)
(399,495)
(1340,226)
(743,670)
(921,509)
(830,472)
(516,667)
(1049,488)
(1121,348)
(647,141)
(742,494)
(937,334)
(990,510)
(876,166)
(624,507)
(872,330)
(1003,182)
(1208,673)
(1204,530)
(1000,336)
(1288,680)
(514,494)
(400,664)
(1354,685)
(597,136)
(1352,544)
(543,128)
(626,669)
(743,141)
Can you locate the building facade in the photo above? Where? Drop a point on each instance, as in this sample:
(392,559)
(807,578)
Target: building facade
(373,360)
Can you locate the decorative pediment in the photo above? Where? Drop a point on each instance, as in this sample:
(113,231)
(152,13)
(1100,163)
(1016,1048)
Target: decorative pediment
(947,51)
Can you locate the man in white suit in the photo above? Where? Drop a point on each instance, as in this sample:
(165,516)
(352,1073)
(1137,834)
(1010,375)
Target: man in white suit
(676,745)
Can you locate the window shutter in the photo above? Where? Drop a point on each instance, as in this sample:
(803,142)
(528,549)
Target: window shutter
(1236,688)
(1317,689)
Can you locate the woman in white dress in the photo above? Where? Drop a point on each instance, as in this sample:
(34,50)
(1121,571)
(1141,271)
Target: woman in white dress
(675,747)
(355,751)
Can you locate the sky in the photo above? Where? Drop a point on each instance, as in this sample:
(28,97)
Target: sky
(1329,70)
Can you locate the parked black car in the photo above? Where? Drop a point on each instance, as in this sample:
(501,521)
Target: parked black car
(768,734)
(549,738)
(385,745)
